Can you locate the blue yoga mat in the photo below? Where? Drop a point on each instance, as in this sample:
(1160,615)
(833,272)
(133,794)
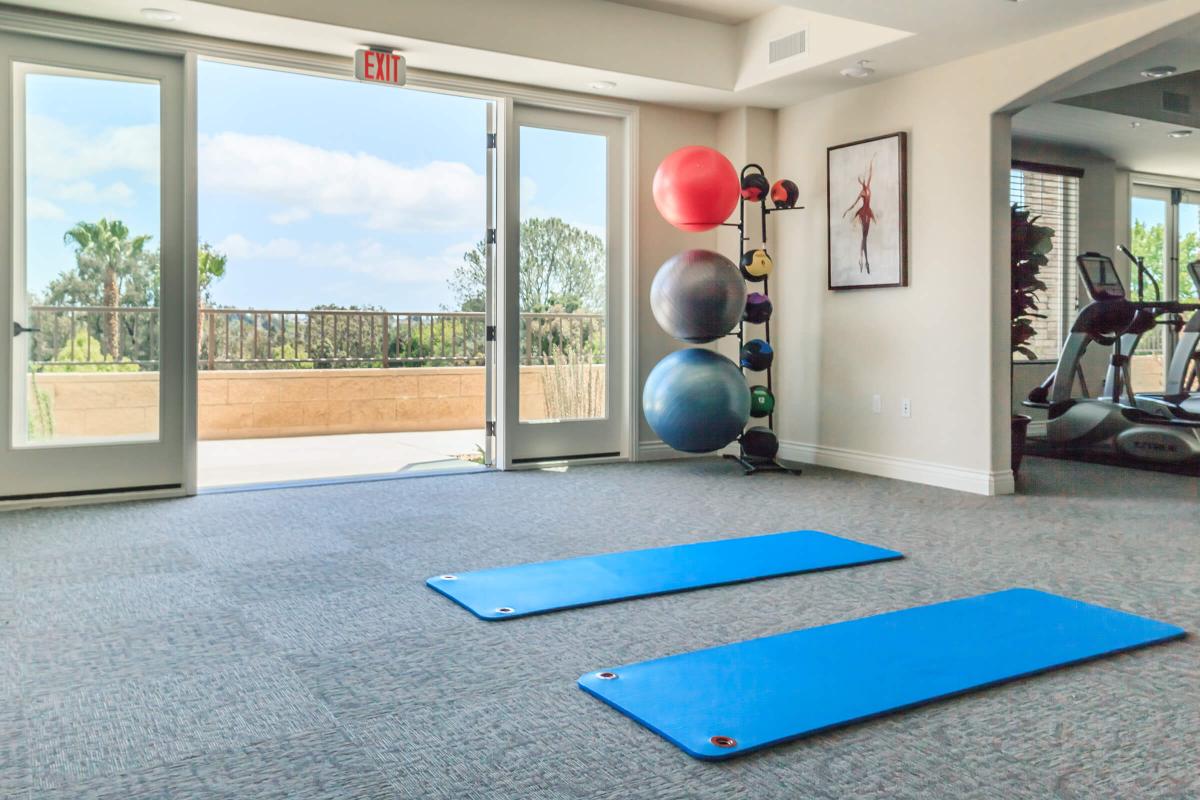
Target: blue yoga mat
(527,589)
(729,700)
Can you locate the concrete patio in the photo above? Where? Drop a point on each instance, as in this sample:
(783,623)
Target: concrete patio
(240,462)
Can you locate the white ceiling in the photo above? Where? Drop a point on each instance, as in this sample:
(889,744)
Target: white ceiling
(726,12)
(1144,148)
(684,58)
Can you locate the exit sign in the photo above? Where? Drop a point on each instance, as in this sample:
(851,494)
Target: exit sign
(379,66)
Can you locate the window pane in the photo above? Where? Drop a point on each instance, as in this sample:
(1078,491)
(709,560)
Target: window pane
(1054,199)
(563,275)
(1189,245)
(91,261)
(1148,242)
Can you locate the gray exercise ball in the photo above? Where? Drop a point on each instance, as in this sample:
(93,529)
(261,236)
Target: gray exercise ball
(698,296)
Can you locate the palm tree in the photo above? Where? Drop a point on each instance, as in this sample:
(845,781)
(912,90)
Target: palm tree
(107,245)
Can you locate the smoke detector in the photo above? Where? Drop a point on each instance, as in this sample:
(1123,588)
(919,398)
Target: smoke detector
(1159,72)
(859,70)
(160,14)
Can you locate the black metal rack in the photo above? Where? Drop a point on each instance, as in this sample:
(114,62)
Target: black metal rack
(750,464)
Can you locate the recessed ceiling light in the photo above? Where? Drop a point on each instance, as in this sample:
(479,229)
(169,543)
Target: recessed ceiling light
(160,14)
(602,86)
(1135,124)
(1180,134)
(1159,72)
(859,70)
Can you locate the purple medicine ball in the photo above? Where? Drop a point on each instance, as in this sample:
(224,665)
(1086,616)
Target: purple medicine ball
(758,308)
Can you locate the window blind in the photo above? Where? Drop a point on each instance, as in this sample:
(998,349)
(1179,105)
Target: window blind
(1052,193)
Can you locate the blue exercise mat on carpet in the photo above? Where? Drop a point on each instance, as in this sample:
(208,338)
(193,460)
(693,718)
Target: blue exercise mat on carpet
(729,700)
(526,589)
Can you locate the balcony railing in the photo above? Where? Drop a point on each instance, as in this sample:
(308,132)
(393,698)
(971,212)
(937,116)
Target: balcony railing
(78,337)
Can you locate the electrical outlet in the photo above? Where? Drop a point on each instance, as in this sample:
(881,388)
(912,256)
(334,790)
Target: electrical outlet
(876,403)
(905,407)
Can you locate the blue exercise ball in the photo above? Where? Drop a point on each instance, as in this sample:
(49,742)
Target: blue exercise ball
(696,400)
(697,296)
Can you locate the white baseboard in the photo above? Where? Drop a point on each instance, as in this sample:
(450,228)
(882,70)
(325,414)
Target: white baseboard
(658,450)
(903,469)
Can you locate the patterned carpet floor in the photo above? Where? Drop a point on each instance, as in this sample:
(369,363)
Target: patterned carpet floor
(282,644)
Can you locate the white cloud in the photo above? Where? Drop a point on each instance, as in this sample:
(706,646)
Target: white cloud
(365,257)
(37,208)
(290,215)
(381,194)
(116,193)
(61,152)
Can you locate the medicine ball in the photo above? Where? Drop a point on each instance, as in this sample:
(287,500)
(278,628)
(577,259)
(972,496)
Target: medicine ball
(757,355)
(758,308)
(762,402)
(756,265)
(755,187)
(760,442)
(785,193)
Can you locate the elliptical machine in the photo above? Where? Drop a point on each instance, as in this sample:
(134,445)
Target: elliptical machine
(1113,421)
(1180,398)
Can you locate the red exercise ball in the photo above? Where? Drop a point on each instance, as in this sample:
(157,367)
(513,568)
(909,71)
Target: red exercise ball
(696,188)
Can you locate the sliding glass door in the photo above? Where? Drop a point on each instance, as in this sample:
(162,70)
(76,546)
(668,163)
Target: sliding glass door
(91,213)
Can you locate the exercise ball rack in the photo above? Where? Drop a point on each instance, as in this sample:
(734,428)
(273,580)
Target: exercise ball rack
(752,465)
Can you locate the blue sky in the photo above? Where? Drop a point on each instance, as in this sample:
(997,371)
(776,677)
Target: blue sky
(318,190)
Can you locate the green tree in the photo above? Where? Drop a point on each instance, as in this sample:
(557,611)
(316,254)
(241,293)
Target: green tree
(107,259)
(561,266)
(211,264)
(1148,242)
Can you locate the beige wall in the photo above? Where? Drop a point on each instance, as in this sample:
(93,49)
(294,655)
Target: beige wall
(662,130)
(943,341)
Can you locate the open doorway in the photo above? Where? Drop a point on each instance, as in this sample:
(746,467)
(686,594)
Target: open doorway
(342,291)
(1113,167)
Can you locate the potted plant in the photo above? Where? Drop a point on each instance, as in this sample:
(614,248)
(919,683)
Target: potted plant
(1030,245)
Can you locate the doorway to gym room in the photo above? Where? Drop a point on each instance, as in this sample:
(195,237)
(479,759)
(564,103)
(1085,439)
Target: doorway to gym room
(1111,168)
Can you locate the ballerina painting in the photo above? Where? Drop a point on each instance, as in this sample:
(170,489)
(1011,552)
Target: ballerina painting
(864,216)
(867,239)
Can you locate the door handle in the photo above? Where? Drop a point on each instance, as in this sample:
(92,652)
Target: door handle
(18,329)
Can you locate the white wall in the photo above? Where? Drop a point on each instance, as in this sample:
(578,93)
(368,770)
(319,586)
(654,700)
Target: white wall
(942,342)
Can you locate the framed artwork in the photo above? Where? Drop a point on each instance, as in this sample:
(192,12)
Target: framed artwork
(868,223)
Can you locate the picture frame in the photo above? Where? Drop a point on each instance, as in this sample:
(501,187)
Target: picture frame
(866,194)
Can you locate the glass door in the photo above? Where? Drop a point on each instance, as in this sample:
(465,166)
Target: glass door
(565,288)
(91,211)
(1165,234)
(1152,228)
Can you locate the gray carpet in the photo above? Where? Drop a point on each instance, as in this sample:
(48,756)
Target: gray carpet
(282,644)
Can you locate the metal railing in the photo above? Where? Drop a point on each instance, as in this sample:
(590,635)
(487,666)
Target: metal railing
(79,337)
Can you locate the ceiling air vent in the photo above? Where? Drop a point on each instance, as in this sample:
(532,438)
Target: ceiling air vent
(1176,103)
(791,45)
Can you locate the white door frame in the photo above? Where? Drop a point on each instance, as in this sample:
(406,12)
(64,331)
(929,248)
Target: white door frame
(532,444)
(75,468)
